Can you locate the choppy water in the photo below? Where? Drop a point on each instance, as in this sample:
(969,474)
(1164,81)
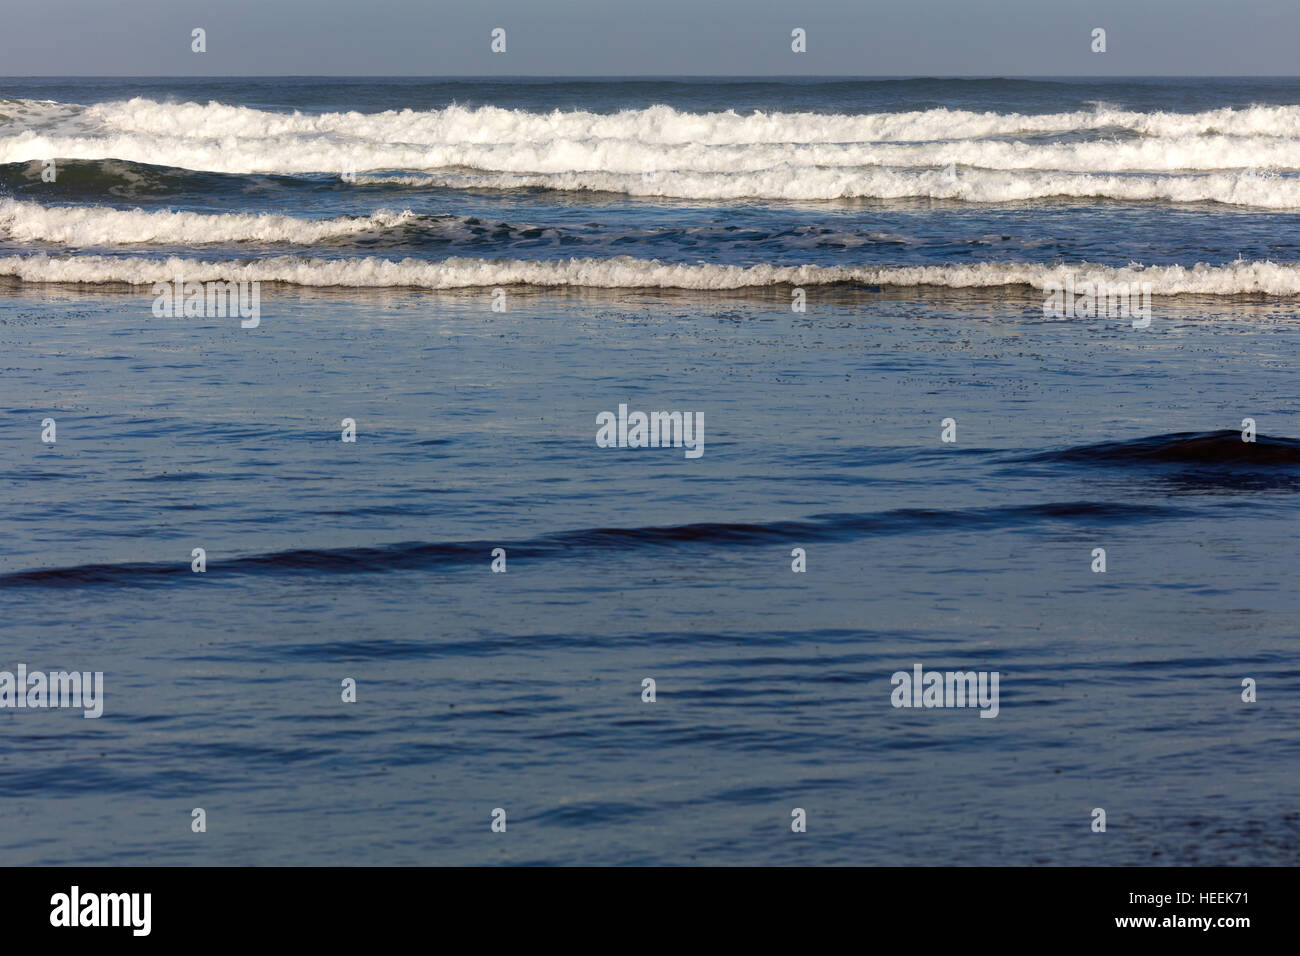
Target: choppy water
(648,241)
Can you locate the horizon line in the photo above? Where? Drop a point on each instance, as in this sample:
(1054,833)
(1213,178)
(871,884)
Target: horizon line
(652,76)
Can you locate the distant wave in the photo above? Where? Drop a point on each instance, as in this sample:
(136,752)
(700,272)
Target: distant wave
(659,124)
(1265,190)
(792,182)
(661,151)
(624,272)
(420,555)
(96,225)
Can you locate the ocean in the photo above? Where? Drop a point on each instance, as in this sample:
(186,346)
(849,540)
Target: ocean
(987,376)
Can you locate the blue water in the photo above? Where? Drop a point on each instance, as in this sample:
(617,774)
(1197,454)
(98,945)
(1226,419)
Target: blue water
(476,430)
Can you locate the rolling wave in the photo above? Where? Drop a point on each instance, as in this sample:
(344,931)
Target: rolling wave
(1210,156)
(625,272)
(656,124)
(97,226)
(1193,463)
(1264,190)
(105,178)
(1223,447)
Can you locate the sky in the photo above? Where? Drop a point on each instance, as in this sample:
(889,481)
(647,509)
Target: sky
(650,37)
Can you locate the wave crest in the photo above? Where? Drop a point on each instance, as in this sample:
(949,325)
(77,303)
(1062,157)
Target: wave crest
(625,272)
(662,151)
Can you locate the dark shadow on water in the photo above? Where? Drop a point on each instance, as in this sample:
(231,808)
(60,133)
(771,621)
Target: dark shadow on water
(408,556)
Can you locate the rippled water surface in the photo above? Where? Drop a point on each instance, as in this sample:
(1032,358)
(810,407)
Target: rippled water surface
(665,287)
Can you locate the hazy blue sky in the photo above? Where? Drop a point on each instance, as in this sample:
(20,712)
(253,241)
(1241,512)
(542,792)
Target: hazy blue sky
(621,37)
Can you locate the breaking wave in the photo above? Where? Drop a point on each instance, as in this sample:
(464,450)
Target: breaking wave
(1240,156)
(625,272)
(97,225)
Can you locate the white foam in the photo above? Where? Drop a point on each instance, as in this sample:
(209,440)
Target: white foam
(624,272)
(667,152)
(1264,190)
(663,124)
(100,226)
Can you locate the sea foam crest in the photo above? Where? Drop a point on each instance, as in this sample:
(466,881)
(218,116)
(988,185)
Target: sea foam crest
(624,272)
(100,226)
(662,151)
